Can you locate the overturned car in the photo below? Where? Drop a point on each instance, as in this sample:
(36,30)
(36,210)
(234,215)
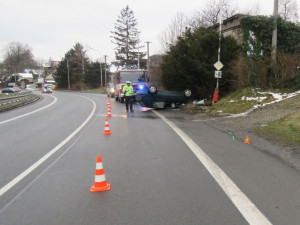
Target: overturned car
(152,98)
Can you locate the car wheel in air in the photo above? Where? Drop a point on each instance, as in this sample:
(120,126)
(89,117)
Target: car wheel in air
(152,90)
(187,93)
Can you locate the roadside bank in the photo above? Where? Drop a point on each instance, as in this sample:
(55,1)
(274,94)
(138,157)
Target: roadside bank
(238,127)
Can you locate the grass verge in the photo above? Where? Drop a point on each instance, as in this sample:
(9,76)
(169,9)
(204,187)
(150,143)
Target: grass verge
(241,101)
(234,103)
(286,129)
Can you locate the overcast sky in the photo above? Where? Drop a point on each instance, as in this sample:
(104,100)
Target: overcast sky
(51,28)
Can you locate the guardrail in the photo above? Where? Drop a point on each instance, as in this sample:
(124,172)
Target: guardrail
(13,95)
(12,100)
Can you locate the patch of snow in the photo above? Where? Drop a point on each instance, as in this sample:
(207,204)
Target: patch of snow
(259,99)
(279,97)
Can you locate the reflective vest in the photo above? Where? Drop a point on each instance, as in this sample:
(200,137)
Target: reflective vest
(127,90)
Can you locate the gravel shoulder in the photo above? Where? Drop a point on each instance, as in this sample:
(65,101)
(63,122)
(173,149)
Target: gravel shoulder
(241,126)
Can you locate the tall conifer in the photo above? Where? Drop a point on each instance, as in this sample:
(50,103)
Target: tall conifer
(126,38)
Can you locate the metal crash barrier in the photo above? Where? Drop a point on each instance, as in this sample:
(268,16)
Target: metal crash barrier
(12,100)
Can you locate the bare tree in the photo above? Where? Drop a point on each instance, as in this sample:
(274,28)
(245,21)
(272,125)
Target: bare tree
(210,15)
(18,56)
(253,10)
(288,10)
(176,29)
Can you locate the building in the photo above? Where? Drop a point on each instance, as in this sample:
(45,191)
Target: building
(25,77)
(231,27)
(49,79)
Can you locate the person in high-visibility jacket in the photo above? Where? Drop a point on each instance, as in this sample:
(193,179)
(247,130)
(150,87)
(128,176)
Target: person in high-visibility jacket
(128,92)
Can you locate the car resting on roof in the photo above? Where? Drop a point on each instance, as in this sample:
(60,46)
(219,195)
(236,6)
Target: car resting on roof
(152,98)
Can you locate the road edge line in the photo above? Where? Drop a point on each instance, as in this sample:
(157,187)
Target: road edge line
(21,176)
(246,207)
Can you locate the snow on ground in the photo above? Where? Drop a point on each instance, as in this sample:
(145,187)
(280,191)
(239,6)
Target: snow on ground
(259,99)
(278,98)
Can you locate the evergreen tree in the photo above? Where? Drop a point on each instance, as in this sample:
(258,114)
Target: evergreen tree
(126,38)
(76,60)
(189,63)
(61,75)
(92,74)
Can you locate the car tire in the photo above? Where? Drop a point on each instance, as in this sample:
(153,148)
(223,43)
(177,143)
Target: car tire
(187,93)
(122,100)
(152,90)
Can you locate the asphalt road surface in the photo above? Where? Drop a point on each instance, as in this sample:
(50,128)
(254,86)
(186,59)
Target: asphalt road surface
(161,171)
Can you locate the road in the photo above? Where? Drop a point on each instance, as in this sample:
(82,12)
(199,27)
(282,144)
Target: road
(161,171)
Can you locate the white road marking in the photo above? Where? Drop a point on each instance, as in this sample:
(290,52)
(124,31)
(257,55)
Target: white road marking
(45,157)
(250,212)
(27,114)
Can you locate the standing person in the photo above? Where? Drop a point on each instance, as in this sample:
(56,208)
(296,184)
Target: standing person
(128,91)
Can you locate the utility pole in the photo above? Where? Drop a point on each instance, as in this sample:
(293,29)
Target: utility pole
(69,87)
(101,72)
(148,61)
(274,35)
(100,65)
(105,69)
(220,38)
(138,54)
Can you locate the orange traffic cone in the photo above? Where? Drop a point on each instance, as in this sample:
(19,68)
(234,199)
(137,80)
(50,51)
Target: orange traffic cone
(247,140)
(100,182)
(106,128)
(107,102)
(108,106)
(108,113)
(216,95)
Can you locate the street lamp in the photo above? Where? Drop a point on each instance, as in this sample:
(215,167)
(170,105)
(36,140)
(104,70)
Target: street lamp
(218,65)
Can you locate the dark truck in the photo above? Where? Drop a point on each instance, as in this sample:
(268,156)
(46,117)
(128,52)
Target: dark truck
(152,98)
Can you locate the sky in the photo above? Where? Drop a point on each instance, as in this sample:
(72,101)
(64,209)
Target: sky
(52,28)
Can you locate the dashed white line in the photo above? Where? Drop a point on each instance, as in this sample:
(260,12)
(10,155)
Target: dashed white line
(250,212)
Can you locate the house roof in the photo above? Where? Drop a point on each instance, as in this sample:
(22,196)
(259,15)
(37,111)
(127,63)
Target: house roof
(25,75)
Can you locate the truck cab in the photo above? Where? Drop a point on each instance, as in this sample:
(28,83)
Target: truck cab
(137,77)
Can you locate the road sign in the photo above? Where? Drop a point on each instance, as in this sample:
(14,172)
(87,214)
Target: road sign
(218,65)
(218,74)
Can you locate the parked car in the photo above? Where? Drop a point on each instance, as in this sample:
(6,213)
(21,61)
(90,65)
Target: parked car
(110,90)
(46,89)
(153,98)
(8,90)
